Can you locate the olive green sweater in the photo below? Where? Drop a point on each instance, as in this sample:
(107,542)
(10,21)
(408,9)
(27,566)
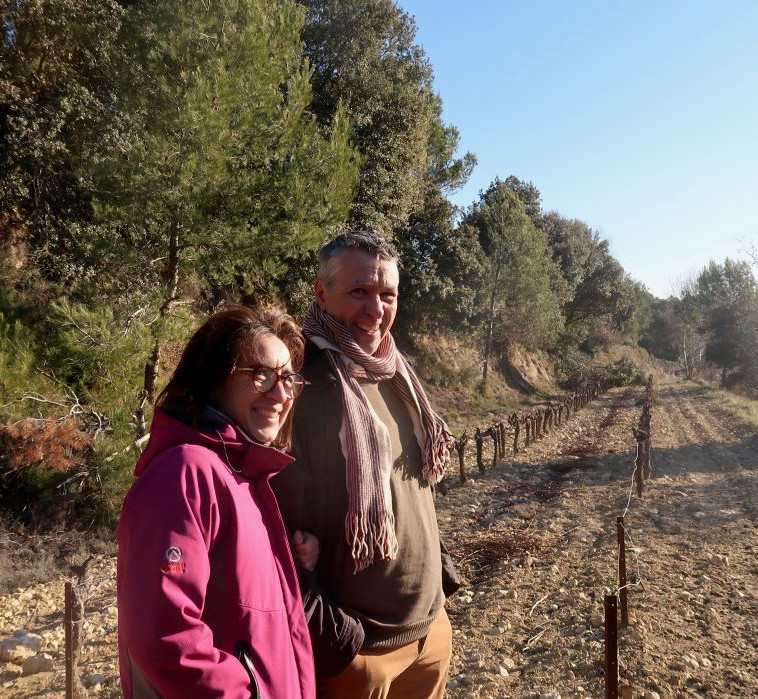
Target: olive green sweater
(397,601)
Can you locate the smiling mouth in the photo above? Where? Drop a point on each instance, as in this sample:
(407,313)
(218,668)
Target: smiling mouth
(368,331)
(269,413)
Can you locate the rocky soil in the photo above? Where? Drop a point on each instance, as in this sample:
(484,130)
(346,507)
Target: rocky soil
(535,539)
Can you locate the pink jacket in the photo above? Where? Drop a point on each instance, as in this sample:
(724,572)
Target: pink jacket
(204,563)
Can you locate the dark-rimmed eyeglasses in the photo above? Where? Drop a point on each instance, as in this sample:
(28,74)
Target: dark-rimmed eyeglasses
(264,380)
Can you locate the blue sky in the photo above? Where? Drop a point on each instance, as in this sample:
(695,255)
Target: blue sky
(638,118)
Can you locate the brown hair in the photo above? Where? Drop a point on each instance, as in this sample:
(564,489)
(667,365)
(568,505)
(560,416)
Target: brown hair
(213,353)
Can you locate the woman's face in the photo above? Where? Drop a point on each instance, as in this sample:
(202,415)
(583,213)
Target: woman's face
(261,415)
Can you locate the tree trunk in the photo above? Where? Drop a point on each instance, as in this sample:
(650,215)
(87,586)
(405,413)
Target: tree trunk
(490,327)
(685,359)
(150,381)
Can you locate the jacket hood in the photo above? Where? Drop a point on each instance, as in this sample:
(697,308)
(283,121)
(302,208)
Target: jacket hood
(217,433)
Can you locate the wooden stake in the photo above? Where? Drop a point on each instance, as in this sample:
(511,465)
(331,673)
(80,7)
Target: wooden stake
(623,598)
(460,447)
(68,627)
(611,647)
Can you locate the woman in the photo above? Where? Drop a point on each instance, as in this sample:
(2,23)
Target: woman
(208,598)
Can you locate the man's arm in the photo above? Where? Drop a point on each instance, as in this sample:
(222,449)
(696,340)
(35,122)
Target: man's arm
(335,635)
(306,549)
(451,581)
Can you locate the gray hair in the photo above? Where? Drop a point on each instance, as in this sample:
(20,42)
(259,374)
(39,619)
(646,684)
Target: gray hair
(366,241)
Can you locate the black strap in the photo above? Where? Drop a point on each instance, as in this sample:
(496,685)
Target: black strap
(242,652)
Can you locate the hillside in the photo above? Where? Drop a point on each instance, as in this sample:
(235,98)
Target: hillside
(451,370)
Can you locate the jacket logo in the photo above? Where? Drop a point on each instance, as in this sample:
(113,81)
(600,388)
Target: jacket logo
(174,562)
(173,554)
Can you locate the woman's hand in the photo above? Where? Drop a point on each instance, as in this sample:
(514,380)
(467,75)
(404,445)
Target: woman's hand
(306,549)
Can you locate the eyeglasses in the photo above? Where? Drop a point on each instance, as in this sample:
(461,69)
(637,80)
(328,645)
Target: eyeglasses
(265,379)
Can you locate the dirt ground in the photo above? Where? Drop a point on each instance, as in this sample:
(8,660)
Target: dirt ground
(535,540)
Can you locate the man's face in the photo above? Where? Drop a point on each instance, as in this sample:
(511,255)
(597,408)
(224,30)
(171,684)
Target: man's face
(362,295)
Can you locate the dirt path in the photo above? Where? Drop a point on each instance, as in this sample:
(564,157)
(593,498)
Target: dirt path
(535,538)
(529,623)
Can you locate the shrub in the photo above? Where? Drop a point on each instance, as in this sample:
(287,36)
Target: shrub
(81,361)
(43,468)
(576,371)
(622,372)
(19,376)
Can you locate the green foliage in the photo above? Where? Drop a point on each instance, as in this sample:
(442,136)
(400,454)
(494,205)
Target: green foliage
(115,475)
(442,273)
(715,318)
(57,91)
(101,352)
(528,195)
(622,372)
(21,381)
(158,158)
(522,307)
(641,312)
(82,361)
(592,285)
(364,56)
(444,170)
(148,156)
(727,298)
(661,336)
(228,175)
(576,371)
(85,345)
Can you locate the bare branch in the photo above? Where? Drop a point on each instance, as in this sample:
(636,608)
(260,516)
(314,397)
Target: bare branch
(136,444)
(34,397)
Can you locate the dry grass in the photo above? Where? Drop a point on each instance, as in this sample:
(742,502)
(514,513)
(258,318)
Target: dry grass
(451,368)
(27,559)
(745,409)
(480,555)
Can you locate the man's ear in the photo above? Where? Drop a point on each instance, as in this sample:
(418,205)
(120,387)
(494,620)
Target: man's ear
(318,288)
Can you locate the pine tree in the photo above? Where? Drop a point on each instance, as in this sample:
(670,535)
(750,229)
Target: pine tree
(520,306)
(228,175)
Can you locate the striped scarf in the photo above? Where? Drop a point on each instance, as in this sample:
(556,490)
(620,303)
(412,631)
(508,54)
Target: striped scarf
(370,521)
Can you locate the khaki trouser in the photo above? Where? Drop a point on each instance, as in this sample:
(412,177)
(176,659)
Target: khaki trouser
(417,670)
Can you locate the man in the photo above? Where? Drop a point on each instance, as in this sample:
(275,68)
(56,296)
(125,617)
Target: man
(369,448)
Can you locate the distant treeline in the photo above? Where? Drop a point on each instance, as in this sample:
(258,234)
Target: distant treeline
(712,323)
(158,158)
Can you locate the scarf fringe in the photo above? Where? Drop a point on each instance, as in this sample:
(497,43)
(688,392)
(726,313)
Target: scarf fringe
(436,460)
(367,530)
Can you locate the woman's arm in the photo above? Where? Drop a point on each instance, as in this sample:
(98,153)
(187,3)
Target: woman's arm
(171,520)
